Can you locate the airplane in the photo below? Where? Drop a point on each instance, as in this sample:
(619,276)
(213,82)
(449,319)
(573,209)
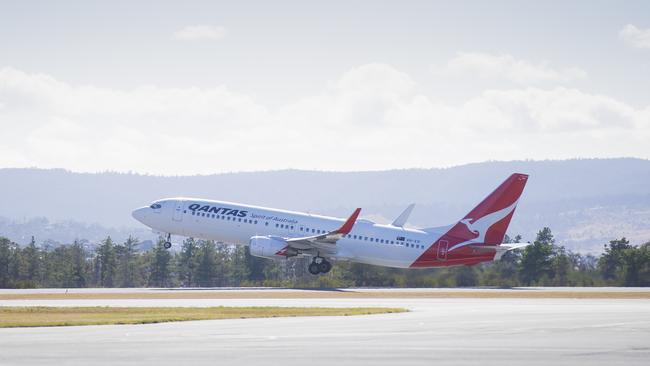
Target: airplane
(280,234)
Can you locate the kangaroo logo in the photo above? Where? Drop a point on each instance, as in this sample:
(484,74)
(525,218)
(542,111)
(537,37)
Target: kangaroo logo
(482,225)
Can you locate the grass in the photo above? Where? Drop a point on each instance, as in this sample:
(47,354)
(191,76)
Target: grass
(40,316)
(301,294)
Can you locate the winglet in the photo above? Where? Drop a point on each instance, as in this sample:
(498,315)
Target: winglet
(404,216)
(349,223)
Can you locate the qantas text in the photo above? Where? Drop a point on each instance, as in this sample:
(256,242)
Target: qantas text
(218,210)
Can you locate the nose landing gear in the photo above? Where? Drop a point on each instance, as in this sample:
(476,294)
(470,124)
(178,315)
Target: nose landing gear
(319,265)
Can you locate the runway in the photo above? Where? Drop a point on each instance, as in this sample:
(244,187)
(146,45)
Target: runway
(461,331)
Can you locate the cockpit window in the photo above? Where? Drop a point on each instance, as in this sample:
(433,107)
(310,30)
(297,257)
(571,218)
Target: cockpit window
(156,206)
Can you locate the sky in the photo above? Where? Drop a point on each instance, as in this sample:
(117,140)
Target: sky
(201,87)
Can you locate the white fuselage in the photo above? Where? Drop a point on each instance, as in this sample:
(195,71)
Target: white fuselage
(235,223)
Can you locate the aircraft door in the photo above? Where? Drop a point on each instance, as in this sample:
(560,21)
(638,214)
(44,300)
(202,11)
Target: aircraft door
(443,245)
(179,206)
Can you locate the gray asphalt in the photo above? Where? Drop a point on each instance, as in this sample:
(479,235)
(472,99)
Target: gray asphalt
(447,331)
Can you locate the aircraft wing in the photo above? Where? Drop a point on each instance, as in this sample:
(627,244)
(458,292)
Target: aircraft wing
(325,242)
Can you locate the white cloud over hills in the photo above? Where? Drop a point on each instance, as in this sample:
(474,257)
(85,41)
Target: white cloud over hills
(372,117)
(635,37)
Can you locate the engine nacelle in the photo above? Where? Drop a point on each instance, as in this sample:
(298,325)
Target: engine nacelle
(265,247)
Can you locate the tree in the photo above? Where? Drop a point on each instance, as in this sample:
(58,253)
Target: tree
(7,262)
(159,267)
(77,254)
(188,262)
(32,262)
(536,260)
(223,264)
(561,267)
(466,276)
(127,262)
(611,263)
(107,263)
(503,272)
(636,267)
(206,271)
(239,264)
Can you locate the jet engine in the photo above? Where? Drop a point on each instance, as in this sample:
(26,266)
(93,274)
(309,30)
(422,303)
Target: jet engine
(272,248)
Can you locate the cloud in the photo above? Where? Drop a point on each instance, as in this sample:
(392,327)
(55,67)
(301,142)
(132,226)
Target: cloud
(635,37)
(200,33)
(504,66)
(371,117)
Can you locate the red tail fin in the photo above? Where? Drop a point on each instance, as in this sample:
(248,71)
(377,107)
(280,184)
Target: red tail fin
(486,224)
(490,219)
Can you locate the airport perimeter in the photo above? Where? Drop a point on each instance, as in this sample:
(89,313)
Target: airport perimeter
(538,326)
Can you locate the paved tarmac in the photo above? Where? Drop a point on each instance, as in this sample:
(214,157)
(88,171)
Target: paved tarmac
(445,331)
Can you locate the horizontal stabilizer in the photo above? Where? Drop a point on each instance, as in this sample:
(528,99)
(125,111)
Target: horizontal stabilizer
(501,249)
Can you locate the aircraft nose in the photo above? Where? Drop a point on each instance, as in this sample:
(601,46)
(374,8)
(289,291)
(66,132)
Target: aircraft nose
(140,214)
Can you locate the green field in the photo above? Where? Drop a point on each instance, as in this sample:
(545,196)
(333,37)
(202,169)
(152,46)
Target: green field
(39,316)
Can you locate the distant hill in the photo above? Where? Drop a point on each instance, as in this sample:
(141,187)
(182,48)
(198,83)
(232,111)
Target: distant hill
(585,202)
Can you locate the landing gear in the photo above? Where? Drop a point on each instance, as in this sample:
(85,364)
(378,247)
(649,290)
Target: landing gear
(325,266)
(168,244)
(319,265)
(313,268)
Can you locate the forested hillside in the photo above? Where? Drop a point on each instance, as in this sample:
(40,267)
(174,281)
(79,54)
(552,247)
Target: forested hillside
(586,202)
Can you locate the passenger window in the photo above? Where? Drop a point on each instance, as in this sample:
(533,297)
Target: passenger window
(255,222)
(266,224)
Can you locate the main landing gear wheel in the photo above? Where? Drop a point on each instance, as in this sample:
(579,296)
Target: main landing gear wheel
(314,268)
(168,242)
(319,265)
(324,266)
